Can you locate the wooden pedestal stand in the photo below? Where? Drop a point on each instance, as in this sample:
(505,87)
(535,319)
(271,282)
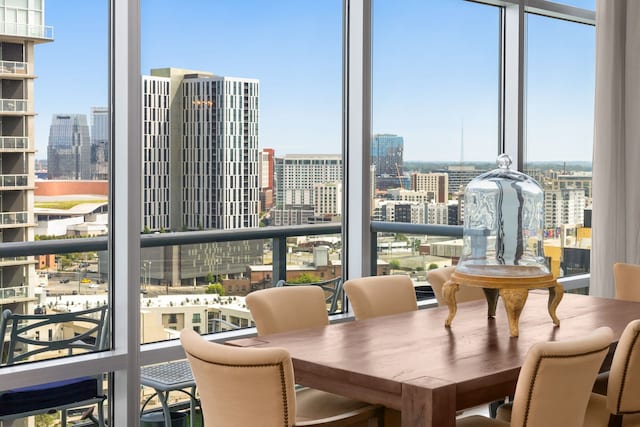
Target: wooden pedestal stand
(513,287)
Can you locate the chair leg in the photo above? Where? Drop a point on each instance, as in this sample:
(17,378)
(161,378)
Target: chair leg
(101,422)
(63,418)
(493,407)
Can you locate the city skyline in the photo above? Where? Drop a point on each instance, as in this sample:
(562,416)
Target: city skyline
(447,92)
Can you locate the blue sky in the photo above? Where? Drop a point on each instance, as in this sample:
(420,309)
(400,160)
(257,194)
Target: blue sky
(435,70)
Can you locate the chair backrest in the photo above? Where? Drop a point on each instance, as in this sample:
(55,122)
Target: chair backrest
(288,308)
(439,276)
(556,379)
(86,330)
(332,291)
(627,281)
(623,390)
(241,386)
(380,295)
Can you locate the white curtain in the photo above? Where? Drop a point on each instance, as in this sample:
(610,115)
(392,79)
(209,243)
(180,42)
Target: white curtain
(616,145)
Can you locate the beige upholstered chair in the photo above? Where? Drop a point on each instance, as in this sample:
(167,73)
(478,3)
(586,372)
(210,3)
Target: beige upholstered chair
(291,308)
(439,276)
(621,405)
(380,295)
(242,387)
(627,281)
(554,384)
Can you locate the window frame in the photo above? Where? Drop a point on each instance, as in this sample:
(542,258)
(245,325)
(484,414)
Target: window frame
(126,356)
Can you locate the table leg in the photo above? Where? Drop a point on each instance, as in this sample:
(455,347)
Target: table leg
(514,300)
(449,290)
(428,402)
(555,296)
(491,295)
(162,397)
(192,406)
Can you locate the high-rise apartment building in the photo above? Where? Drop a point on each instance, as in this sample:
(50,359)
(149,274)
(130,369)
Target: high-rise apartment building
(436,183)
(327,198)
(213,132)
(100,136)
(266,171)
(21,28)
(459,176)
(563,207)
(200,169)
(387,154)
(296,175)
(156,158)
(220,152)
(69,149)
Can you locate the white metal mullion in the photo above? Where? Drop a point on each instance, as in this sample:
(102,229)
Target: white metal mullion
(513,83)
(356,139)
(561,11)
(124,238)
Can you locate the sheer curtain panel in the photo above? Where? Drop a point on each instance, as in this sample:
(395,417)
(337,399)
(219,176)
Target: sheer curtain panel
(616,147)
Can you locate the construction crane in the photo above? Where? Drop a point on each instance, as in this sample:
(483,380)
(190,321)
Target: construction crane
(399,176)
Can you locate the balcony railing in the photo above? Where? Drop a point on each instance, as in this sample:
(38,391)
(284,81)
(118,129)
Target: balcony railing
(13,218)
(14,292)
(14,180)
(26,30)
(13,106)
(278,235)
(14,142)
(13,67)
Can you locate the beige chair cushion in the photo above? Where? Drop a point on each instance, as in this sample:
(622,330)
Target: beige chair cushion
(380,295)
(289,308)
(438,277)
(598,414)
(627,281)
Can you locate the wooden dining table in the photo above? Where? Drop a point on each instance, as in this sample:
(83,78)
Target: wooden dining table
(412,363)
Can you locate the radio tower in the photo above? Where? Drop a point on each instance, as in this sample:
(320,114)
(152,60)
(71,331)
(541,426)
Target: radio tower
(461,141)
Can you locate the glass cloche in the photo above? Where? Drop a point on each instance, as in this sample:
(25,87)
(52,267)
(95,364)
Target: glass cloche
(503,225)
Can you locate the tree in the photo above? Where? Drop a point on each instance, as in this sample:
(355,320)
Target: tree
(401,237)
(210,278)
(395,264)
(305,278)
(215,288)
(433,266)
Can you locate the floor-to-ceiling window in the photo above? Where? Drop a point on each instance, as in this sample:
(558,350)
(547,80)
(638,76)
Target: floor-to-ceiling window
(560,76)
(435,122)
(284,64)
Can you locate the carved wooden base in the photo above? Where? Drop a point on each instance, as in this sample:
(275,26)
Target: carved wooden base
(513,290)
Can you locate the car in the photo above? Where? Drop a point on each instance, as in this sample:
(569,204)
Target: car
(85,280)
(94,285)
(64,281)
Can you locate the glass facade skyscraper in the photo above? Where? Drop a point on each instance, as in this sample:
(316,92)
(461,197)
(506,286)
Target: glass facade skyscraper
(69,150)
(387,154)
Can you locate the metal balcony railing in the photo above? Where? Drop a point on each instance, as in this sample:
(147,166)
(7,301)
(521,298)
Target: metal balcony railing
(14,142)
(278,236)
(26,30)
(13,67)
(14,218)
(13,105)
(14,180)
(14,292)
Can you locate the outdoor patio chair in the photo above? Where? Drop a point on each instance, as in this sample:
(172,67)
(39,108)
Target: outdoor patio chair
(332,290)
(30,337)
